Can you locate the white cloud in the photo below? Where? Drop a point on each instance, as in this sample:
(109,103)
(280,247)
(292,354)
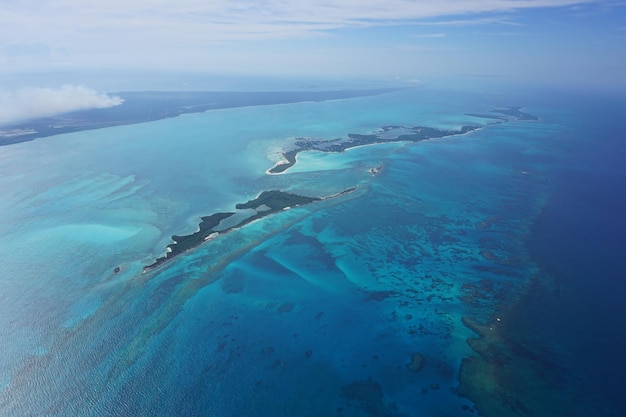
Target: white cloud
(200,33)
(34,102)
(220,20)
(277,37)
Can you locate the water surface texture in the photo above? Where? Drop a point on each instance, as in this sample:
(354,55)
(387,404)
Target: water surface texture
(476,274)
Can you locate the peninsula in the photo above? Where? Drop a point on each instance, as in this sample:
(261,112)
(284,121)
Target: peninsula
(210,227)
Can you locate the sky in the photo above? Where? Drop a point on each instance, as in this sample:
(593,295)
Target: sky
(112,44)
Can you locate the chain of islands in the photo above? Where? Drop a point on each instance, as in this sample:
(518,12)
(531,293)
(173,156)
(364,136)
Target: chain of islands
(274,201)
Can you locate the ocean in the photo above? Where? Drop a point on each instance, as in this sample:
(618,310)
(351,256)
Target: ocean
(475,274)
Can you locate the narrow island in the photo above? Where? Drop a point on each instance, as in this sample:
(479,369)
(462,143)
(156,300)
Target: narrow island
(391,133)
(386,134)
(210,227)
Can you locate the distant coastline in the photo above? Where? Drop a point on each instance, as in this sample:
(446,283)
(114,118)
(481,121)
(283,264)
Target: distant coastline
(148,106)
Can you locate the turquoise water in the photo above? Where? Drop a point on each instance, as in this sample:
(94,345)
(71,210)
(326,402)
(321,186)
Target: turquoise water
(313,311)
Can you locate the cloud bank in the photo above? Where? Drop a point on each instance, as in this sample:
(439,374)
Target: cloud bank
(320,38)
(32,102)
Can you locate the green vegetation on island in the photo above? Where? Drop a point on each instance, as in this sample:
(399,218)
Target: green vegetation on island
(387,134)
(266,203)
(275,201)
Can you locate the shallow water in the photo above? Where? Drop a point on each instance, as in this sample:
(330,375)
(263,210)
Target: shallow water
(318,310)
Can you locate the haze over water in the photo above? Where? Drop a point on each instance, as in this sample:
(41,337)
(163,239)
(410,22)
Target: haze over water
(324,309)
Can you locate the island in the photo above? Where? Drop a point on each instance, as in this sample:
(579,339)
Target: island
(376,170)
(211,227)
(391,133)
(386,134)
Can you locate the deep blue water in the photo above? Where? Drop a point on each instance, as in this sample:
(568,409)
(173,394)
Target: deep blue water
(320,310)
(579,240)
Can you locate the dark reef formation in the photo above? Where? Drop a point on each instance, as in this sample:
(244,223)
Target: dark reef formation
(417,362)
(368,397)
(507,379)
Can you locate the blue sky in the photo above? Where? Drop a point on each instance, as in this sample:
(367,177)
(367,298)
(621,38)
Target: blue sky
(564,42)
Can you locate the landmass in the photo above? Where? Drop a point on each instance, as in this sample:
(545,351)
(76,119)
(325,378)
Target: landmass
(391,133)
(386,134)
(211,227)
(269,202)
(147,106)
